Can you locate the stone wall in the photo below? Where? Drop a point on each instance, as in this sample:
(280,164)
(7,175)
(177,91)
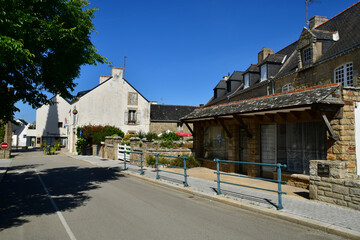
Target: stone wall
(150,147)
(159,127)
(110,148)
(337,186)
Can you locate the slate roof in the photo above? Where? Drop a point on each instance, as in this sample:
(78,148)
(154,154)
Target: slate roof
(253,68)
(328,94)
(236,76)
(273,58)
(221,84)
(347,23)
(169,113)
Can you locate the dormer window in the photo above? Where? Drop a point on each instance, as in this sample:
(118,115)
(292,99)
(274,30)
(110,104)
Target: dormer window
(228,86)
(306,56)
(344,74)
(246,80)
(263,72)
(215,93)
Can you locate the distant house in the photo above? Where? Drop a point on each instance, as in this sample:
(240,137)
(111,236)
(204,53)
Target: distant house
(292,107)
(167,117)
(20,134)
(113,102)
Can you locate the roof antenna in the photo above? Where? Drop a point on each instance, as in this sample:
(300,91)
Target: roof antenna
(308,2)
(125,57)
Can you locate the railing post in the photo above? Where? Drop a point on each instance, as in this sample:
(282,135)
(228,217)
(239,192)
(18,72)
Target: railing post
(141,164)
(280,206)
(124,159)
(185,174)
(218,175)
(157,166)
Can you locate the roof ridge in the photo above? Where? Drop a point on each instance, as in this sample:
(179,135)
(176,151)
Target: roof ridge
(273,95)
(338,14)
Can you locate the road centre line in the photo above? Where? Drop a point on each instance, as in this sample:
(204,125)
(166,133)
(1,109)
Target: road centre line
(61,217)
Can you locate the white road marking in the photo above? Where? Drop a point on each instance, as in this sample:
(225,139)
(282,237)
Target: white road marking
(61,217)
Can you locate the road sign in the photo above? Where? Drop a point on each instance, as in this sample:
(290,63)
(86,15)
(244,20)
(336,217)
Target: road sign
(4,145)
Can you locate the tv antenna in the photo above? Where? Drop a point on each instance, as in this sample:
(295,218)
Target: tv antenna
(125,57)
(308,2)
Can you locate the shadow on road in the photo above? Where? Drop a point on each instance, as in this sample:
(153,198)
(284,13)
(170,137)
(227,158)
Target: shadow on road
(22,195)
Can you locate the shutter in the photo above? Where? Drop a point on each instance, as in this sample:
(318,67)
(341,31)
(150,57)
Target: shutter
(138,116)
(126,117)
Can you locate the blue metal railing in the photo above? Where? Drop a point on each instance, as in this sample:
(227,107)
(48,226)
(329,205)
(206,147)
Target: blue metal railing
(136,160)
(168,165)
(278,166)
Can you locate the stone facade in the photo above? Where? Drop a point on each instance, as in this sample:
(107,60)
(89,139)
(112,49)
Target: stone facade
(159,127)
(339,186)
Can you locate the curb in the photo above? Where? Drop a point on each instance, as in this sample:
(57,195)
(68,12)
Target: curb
(314,224)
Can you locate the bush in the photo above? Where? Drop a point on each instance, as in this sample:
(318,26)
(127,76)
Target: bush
(141,135)
(80,144)
(128,136)
(151,136)
(170,136)
(190,162)
(95,134)
(150,160)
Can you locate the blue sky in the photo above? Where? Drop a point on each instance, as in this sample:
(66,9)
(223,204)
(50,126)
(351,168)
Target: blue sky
(178,50)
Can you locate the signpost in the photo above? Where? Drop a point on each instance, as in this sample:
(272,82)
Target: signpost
(4,146)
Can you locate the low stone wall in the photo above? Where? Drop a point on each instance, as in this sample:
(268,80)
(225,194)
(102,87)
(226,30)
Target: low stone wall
(150,147)
(110,148)
(331,182)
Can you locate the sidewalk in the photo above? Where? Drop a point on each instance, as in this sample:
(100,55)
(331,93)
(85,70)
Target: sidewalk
(325,217)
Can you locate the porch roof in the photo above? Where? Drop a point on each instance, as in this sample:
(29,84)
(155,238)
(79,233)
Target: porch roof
(326,95)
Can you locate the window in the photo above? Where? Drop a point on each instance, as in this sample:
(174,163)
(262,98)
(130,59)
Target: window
(344,75)
(215,143)
(60,124)
(180,127)
(132,116)
(132,98)
(215,93)
(306,56)
(228,86)
(24,136)
(287,88)
(263,72)
(246,80)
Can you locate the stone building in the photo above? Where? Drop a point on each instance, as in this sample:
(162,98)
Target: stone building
(167,117)
(293,106)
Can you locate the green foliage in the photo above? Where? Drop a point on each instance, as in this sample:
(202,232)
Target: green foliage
(80,143)
(43,45)
(151,136)
(171,136)
(95,134)
(141,134)
(128,136)
(150,160)
(2,131)
(190,162)
(126,143)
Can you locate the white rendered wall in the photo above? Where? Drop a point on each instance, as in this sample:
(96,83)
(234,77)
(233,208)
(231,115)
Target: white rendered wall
(48,117)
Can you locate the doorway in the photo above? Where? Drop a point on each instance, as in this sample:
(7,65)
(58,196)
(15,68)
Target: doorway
(268,149)
(243,151)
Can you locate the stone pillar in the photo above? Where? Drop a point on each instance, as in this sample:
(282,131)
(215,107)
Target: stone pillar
(117,142)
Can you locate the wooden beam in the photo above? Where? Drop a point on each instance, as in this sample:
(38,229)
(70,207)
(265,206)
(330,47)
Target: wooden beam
(296,115)
(187,125)
(221,121)
(270,117)
(329,128)
(242,124)
(282,116)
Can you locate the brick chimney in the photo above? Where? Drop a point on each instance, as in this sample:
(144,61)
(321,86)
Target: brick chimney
(316,21)
(117,72)
(264,53)
(103,78)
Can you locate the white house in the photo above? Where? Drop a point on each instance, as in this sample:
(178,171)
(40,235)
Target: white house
(113,102)
(20,134)
(52,121)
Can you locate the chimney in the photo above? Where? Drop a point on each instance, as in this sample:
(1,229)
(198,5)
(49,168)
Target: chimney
(117,72)
(264,53)
(226,77)
(103,78)
(201,105)
(316,21)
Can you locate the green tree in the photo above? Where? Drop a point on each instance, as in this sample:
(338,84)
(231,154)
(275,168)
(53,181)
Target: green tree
(43,44)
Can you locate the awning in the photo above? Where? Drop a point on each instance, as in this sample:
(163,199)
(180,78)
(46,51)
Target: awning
(299,100)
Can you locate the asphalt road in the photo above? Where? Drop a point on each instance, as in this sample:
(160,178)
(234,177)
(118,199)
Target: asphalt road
(57,197)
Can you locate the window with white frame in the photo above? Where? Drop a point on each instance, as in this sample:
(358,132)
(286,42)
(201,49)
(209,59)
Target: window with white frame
(306,56)
(287,88)
(246,80)
(263,72)
(344,74)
